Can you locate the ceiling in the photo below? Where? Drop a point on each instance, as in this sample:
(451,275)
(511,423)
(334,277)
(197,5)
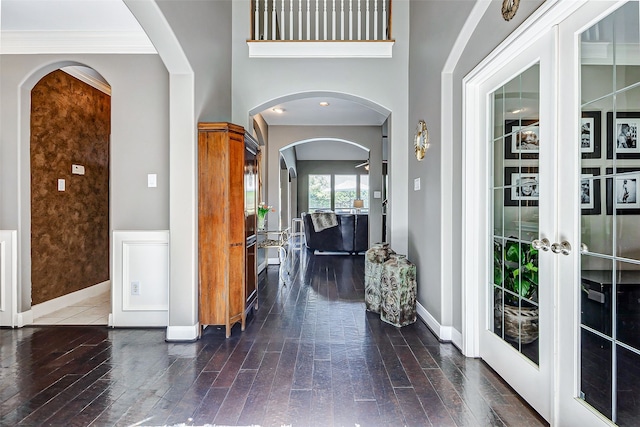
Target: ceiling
(339,112)
(309,112)
(67,15)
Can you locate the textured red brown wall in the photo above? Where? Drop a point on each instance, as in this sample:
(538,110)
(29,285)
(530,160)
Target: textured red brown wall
(70,124)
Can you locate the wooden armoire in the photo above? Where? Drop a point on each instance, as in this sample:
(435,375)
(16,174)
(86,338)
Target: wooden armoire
(227,214)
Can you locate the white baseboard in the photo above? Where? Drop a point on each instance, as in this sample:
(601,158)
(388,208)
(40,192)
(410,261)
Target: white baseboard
(24,318)
(272,261)
(183,333)
(56,304)
(444,333)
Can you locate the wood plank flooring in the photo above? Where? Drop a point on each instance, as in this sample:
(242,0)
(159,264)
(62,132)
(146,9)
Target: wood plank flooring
(310,356)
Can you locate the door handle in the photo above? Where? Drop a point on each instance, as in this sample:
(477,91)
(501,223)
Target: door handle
(563,248)
(543,244)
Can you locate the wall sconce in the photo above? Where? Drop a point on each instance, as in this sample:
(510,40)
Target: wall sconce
(421,140)
(358,204)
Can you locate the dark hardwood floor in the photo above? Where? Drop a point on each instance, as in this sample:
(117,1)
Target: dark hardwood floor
(310,356)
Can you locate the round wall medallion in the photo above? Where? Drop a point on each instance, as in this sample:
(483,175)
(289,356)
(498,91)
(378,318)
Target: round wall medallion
(421,140)
(509,9)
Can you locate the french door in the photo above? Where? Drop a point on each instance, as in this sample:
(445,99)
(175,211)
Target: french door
(552,225)
(517,310)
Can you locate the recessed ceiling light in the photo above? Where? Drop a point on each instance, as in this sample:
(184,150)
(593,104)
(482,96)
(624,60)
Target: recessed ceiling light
(519,110)
(324,104)
(278,110)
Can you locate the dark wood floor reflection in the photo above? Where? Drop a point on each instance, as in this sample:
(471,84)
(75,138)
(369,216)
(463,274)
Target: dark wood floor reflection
(310,356)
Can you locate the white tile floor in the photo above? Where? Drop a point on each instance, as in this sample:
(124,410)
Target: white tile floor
(91,311)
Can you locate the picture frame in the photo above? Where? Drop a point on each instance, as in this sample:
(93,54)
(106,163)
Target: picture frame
(521,139)
(590,135)
(623,191)
(622,136)
(590,201)
(521,186)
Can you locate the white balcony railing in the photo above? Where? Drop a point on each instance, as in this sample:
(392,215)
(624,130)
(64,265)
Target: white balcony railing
(321,20)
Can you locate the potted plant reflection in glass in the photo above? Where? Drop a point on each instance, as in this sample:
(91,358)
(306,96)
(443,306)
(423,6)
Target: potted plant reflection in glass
(516,271)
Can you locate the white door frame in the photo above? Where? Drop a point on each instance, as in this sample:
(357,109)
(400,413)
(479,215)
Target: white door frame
(474,158)
(475,185)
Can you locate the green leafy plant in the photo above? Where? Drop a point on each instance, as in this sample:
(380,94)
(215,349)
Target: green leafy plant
(515,267)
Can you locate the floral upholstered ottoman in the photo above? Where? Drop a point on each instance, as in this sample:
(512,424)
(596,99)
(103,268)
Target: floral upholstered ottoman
(398,291)
(373,265)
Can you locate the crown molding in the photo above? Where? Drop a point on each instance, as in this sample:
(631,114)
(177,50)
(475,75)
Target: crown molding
(88,79)
(56,42)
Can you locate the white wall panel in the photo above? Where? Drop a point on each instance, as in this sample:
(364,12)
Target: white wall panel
(8,277)
(140,260)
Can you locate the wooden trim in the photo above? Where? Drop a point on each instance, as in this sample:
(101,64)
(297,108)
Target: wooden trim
(390,22)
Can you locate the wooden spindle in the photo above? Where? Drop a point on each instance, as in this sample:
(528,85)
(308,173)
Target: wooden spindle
(376,36)
(308,21)
(333,21)
(317,21)
(359,21)
(290,19)
(256,20)
(350,19)
(384,20)
(273,20)
(366,34)
(299,19)
(265,22)
(283,30)
(341,19)
(325,20)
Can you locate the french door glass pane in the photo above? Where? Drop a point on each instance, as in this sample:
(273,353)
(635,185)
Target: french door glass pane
(515,189)
(610,215)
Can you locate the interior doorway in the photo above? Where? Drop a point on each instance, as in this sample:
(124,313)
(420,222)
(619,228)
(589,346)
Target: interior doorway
(70,126)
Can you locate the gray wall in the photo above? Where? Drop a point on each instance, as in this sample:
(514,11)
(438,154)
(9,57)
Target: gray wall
(203,29)
(139,143)
(259,82)
(434,28)
(435,25)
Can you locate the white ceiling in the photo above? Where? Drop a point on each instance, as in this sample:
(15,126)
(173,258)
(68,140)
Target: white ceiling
(330,150)
(309,112)
(67,15)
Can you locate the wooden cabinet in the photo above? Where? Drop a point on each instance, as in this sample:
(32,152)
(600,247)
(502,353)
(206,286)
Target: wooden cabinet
(227,203)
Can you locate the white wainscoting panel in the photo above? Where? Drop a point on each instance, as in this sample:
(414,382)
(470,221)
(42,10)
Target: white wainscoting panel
(140,291)
(8,278)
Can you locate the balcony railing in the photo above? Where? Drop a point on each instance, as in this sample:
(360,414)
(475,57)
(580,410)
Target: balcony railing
(321,20)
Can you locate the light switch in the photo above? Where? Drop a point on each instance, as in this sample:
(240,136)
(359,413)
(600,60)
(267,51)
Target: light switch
(416,184)
(152,180)
(61,185)
(377,194)
(77,169)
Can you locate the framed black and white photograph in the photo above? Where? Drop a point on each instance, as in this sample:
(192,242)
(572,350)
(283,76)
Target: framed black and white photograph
(623,191)
(590,132)
(622,135)
(590,191)
(522,140)
(522,186)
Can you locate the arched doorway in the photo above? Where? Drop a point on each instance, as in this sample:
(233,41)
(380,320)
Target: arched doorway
(70,127)
(332,117)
